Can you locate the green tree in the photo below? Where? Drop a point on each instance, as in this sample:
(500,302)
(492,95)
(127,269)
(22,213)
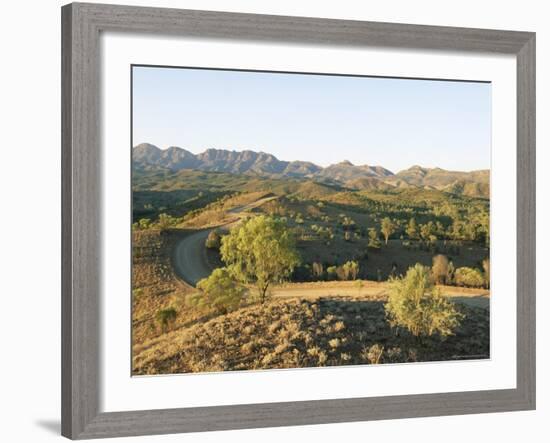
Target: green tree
(387,228)
(457,230)
(350,270)
(427,232)
(260,251)
(374,242)
(220,291)
(416,304)
(412,229)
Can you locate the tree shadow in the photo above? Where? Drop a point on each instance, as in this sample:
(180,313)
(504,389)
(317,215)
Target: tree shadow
(476,301)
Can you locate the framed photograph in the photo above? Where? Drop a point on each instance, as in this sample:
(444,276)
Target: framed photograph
(274,221)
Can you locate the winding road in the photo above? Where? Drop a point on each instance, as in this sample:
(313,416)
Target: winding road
(190,260)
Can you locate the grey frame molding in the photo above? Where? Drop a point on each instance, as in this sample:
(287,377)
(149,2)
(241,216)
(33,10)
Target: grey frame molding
(81,183)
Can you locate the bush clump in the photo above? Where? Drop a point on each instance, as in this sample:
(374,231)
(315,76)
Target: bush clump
(470,277)
(220,291)
(166,317)
(416,304)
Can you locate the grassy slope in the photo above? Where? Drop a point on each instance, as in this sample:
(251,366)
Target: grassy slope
(154,285)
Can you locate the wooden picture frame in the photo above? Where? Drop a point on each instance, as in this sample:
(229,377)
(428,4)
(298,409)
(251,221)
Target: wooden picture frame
(81,181)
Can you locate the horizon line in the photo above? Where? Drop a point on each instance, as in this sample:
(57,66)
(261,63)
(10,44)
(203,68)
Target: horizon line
(308,161)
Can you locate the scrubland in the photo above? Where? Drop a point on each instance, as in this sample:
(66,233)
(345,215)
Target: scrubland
(328,305)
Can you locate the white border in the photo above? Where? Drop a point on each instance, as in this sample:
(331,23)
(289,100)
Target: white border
(122,392)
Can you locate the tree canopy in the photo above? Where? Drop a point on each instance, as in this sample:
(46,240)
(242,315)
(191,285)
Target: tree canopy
(220,291)
(260,251)
(387,228)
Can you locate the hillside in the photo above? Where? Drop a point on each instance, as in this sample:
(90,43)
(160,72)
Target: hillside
(297,333)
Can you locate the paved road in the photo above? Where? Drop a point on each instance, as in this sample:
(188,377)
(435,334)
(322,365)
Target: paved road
(190,260)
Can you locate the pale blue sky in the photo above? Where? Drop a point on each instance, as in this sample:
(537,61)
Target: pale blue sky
(395,123)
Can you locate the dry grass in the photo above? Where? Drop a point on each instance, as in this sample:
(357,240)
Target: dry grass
(154,285)
(305,333)
(223,212)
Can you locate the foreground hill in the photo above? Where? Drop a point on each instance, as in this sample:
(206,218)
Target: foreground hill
(147,157)
(298,333)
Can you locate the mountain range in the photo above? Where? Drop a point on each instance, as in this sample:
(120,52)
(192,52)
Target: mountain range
(146,157)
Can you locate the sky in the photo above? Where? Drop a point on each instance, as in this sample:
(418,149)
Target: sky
(395,123)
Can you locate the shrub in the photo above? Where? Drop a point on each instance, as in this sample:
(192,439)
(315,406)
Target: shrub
(332,272)
(317,269)
(417,305)
(341,273)
(374,241)
(166,317)
(469,277)
(166,221)
(427,232)
(350,270)
(144,223)
(387,228)
(220,291)
(412,229)
(213,241)
(440,268)
(373,354)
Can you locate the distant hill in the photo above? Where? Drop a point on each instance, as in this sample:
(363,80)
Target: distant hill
(346,171)
(472,184)
(437,177)
(148,157)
